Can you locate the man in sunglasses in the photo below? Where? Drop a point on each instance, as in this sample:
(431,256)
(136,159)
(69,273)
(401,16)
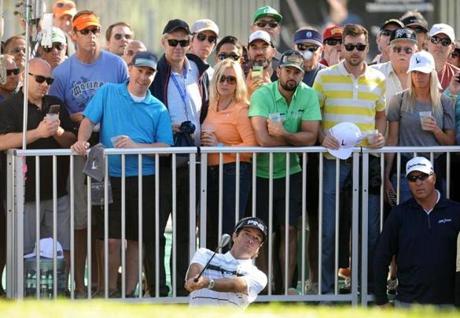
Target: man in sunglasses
(229,47)
(16,46)
(348,92)
(383,39)
(181,84)
(415,21)
(11,84)
(441,45)
(267,19)
(283,113)
(56,53)
(118,37)
(403,44)
(454,57)
(204,38)
(76,81)
(422,233)
(45,131)
(332,40)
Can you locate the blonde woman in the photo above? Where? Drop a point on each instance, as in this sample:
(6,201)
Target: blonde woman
(420,116)
(227,125)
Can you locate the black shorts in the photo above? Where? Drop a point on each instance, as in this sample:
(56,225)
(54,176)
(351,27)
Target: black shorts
(279,199)
(131,209)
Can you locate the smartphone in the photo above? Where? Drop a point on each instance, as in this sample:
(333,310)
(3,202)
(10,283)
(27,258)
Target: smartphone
(54,109)
(256,71)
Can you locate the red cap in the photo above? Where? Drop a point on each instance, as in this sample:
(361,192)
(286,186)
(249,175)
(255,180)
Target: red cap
(332,32)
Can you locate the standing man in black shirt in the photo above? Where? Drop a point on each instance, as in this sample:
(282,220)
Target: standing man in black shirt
(43,132)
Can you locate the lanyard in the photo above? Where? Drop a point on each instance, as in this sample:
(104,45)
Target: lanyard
(183,94)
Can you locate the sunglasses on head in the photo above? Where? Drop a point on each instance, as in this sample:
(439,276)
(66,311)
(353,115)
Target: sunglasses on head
(263,24)
(182,43)
(398,49)
(119,36)
(305,47)
(40,79)
(415,177)
(223,56)
(385,32)
(56,45)
(333,42)
(444,42)
(230,79)
(350,47)
(14,71)
(92,30)
(211,38)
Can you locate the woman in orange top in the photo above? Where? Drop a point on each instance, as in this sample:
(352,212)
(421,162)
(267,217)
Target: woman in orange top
(227,124)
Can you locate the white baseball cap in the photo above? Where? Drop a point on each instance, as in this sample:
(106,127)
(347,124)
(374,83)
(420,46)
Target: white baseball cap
(46,249)
(442,28)
(260,35)
(348,135)
(205,25)
(421,61)
(420,164)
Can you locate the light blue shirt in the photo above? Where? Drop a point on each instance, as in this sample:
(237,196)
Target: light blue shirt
(144,122)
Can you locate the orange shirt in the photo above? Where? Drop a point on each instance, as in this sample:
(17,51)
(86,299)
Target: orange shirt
(233,129)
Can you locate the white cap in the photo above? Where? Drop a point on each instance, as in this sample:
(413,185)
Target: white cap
(348,135)
(442,28)
(419,164)
(204,25)
(421,61)
(46,249)
(260,35)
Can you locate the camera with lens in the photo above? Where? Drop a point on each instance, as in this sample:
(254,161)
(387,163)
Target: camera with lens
(187,127)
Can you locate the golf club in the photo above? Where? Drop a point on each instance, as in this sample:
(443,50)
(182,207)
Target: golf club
(224,240)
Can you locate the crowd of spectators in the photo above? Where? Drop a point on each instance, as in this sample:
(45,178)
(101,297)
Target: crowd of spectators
(115,92)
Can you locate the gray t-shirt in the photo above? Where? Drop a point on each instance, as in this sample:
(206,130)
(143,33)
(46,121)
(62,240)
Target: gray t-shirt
(410,128)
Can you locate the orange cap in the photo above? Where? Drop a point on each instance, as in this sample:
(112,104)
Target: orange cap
(63,7)
(85,20)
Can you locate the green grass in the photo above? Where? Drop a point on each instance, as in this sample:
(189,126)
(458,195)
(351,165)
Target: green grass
(99,309)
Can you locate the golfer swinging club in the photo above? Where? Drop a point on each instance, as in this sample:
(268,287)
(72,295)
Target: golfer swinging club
(230,278)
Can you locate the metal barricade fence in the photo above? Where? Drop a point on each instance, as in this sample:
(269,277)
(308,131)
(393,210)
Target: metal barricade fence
(18,284)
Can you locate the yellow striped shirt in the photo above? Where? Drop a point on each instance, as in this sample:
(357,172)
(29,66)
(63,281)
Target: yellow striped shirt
(344,98)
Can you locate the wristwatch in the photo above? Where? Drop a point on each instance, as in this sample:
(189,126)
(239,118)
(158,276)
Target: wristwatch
(211,283)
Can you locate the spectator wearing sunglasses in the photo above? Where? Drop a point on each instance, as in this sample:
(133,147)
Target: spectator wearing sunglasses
(76,81)
(227,124)
(16,46)
(229,47)
(42,133)
(383,39)
(422,232)
(56,53)
(63,13)
(454,57)
(204,39)
(441,45)
(181,84)
(415,21)
(332,45)
(131,49)
(267,19)
(403,43)
(341,100)
(118,36)
(11,84)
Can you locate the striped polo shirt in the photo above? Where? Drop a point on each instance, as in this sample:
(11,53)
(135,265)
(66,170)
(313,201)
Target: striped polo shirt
(344,98)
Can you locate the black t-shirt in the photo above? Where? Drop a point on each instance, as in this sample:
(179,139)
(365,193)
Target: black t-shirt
(11,121)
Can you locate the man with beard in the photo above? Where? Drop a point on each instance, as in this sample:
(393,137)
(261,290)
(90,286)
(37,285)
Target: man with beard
(260,54)
(283,113)
(342,99)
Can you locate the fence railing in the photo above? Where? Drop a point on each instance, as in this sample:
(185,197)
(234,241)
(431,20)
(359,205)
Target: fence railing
(24,279)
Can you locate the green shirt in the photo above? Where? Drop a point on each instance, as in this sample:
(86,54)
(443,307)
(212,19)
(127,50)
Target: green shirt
(267,102)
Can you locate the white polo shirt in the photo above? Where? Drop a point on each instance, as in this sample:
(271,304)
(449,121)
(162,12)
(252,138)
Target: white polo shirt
(393,84)
(226,266)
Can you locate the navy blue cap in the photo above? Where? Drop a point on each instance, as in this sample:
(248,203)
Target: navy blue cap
(146,59)
(176,24)
(253,222)
(308,35)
